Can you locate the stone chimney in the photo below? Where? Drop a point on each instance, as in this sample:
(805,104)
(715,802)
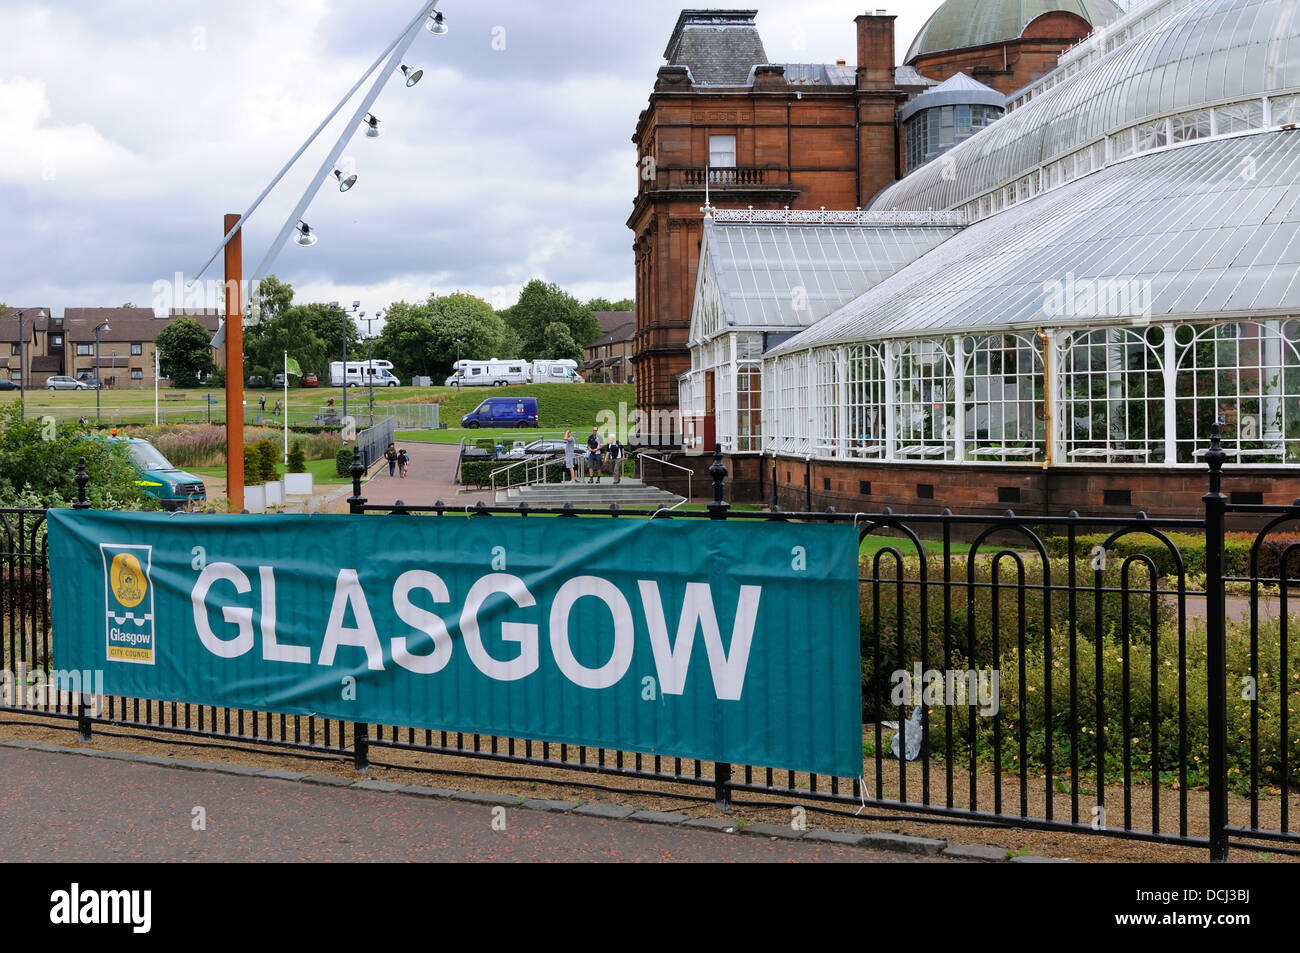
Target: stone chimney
(875,50)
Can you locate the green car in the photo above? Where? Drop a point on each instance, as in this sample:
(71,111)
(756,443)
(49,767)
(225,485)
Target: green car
(174,489)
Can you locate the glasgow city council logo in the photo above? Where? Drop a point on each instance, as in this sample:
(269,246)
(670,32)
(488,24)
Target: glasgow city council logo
(128,603)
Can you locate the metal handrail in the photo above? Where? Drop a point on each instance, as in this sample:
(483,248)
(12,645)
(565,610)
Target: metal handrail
(687,470)
(539,476)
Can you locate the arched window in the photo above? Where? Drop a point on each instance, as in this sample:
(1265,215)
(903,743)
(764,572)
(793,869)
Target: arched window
(1003,409)
(1244,378)
(1112,396)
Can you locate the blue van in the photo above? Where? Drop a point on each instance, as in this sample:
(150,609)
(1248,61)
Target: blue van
(502,412)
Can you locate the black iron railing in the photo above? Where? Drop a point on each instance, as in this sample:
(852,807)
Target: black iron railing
(1129,700)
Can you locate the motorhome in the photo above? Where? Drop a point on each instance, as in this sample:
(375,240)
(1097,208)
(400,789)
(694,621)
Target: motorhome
(488,373)
(363,374)
(555,372)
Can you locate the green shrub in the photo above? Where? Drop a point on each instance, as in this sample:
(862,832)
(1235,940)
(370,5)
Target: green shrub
(1236,552)
(977,634)
(1026,705)
(297,458)
(343,462)
(268,458)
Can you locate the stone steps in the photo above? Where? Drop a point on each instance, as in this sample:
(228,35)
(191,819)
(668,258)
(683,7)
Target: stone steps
(630,494)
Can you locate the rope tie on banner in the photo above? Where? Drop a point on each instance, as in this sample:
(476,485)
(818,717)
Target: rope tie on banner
(662,509)
(862,787)
(856,517)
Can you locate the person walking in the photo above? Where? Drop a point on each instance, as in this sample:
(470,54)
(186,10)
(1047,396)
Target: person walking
(593,455)
(615,451)
(277,407)
(391,456)
(403,462)
(568,456)
(261,404)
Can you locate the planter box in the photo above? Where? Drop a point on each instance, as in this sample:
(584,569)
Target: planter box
(275,493)
(255,499)
(298,484)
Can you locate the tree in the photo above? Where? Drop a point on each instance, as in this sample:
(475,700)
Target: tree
(421,339)
(328,324)
(540,305)
(185,351)
(274,297)
(604,304)
(558,344)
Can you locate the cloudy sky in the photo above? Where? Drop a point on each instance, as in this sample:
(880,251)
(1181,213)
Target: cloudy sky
(133,125)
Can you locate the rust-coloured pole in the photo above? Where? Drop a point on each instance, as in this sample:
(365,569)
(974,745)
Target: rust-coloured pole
(234,367)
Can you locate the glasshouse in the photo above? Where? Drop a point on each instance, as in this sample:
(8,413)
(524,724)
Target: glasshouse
(1113,270)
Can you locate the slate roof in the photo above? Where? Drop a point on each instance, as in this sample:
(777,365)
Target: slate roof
(124,324)
(9,323)
(610,320)
(719,47)
(617,335)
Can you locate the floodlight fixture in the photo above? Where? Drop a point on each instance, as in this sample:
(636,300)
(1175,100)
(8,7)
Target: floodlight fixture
(412,75)
(372,127)
(306,237)
(345,182)
(437,24)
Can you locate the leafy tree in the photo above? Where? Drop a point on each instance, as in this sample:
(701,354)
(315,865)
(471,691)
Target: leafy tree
(329,324)
(37,460)
(541,305)
(604,304)
(186,350)
(558,344)
(274,297)
(421,339)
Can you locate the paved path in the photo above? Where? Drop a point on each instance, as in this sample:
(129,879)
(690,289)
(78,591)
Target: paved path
(68,807)
(433,465)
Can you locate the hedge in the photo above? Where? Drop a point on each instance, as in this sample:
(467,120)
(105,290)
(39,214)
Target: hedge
(1236,548)
(479,472)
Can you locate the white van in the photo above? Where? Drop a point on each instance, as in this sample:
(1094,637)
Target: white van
(556,372)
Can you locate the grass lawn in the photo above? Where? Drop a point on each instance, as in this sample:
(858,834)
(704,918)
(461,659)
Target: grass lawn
(559,405)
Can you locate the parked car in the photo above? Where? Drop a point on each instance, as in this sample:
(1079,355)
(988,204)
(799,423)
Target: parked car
(255,381)
(277,381)
(89,380)
(6,384)
(503,412)
(535,449)
(310,380)
(65,383)
(173,488)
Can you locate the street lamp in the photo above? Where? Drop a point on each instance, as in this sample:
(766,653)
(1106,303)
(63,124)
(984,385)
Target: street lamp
(355,306)
(98,328)
(22,366)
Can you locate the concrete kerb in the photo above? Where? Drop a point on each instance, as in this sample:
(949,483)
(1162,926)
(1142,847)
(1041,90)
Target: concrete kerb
(876,841)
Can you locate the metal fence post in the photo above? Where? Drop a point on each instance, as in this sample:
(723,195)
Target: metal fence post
(360,746)
(718,511)
(1216,654)
(82,479)
(356,501)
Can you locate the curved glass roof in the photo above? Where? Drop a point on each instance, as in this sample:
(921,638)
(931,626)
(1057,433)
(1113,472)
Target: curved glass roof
(962,23)
(1214,51)
(1182,234)
(760,270)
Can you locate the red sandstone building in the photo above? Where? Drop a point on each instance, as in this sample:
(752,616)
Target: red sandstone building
(723,123)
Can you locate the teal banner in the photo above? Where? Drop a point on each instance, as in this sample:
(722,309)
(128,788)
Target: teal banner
(733,641)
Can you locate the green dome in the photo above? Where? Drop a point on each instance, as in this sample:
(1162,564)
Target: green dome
(962,23)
